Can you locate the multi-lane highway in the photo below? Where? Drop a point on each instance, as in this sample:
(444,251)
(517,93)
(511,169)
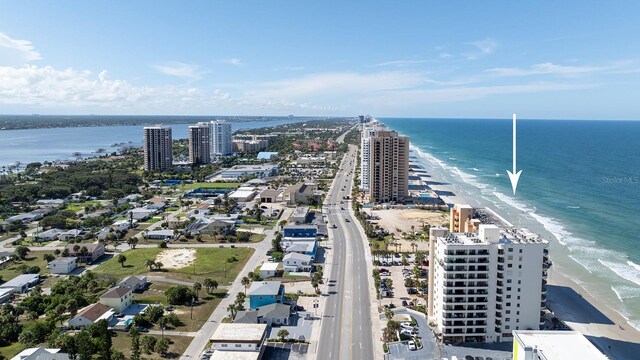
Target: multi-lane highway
(347,328)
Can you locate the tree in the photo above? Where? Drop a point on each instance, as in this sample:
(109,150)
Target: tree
(148,343)
(72,306)
(122,259)
(22,252)
(159,265)
(232,309)
(135,344)
(245,282)
(150,263)
(197,287)
(162,346)
(283,334)
(48,257)
(210,284)
(101,333)
(132,242)
(179,295)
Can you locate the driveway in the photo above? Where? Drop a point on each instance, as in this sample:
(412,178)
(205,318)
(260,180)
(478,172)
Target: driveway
(400,350)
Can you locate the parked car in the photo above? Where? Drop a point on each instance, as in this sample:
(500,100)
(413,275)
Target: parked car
(406,325)
(404,302)
(412,345)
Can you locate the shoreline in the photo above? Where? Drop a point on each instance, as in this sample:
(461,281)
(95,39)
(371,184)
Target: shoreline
(605,327)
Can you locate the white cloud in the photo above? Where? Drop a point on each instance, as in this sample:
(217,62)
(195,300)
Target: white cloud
(337,84)
(14,51)
(399,63)
(482,48)
(546,69)
(179,69)
(80,91)
(231,61)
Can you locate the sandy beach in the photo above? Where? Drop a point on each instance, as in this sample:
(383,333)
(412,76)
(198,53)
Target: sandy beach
(602,325)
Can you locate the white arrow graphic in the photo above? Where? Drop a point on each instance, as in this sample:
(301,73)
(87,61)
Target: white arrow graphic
(514,176)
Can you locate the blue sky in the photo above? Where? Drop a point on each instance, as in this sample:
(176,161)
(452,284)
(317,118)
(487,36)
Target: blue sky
(542,59)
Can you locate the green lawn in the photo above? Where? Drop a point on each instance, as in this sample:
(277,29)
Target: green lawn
(210,263)
(12,350)
(82,205)
(122,342)
(34,258)
(209,185)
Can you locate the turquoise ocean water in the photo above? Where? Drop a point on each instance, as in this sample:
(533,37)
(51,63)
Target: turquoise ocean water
(579,189)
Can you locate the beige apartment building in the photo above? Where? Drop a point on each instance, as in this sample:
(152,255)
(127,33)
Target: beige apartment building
(388,167)
(199,144)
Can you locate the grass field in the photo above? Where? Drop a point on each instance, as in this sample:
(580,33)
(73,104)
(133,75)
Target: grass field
(209,263)
(12,350)
(34,258)
(211,185)
(82,205)
(208,302)
(122,342)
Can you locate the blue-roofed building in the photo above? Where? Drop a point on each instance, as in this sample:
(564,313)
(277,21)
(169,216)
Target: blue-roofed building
(267,155)
(264,293)
(300,231)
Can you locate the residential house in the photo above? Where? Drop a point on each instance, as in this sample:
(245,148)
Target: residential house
(123,225)
(164,235)
(63,265)
(268,269)
(49,235)
(264,293)
(56,203)
(118,298)
(234,338)
(296,262)
(300,215)
(5,295)
(21,283)
(134,283)
(71,234)
(41,353)
(141,213)
(300,231)
(304,247)
(302,193)
(272,314)
(93,252)
(90,315)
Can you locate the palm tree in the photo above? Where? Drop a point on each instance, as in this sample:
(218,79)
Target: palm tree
(159,265)
(245,281)
(150,263)
(232,310)
(132,242)
(122,259)
(283,334)
(197,287)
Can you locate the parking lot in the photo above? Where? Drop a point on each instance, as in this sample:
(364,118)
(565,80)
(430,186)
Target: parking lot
(486,351)
(284,351)
(400,292)
(299,328)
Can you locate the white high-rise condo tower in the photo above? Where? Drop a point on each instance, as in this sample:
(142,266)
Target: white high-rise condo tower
(484,285)
(220,132)
(158,148)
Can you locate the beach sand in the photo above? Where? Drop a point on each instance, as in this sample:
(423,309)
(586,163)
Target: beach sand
(602,325)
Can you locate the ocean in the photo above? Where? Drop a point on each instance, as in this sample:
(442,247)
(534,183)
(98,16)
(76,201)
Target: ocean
(44,144)
(579,189)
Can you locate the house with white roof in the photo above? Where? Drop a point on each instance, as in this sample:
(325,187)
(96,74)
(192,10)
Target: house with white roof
(268,269)
(296,262)
(231,339)
(264,293)
(63,265)
(41,353)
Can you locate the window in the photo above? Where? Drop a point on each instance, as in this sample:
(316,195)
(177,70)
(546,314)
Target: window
(508,281)
(223,345)
(509,288)
(520,251)
(510,250)
(507,319)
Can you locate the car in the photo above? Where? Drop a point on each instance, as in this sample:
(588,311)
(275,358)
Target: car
(391,306)
(406,325)
(412,345)
(221,246)
(404,303)
(233,246)
(269,252)
(406,332)
(347,220)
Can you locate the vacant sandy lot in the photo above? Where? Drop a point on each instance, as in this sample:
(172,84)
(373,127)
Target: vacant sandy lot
(400,220)
(177,258)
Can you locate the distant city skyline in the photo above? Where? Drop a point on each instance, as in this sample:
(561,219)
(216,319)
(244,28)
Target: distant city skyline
(569,60)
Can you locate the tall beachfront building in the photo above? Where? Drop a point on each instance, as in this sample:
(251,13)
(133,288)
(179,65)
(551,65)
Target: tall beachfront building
(220,132)
(368,130)
(158,148)
(388,166)
(484,285)
(199,144)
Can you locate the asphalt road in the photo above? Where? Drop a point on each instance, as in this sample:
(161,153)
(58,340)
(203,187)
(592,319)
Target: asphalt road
(347,329)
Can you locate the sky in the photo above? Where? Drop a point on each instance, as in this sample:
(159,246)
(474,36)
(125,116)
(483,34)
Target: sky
(489,59)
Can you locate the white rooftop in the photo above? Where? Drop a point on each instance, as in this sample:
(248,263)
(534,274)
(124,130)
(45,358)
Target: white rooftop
(239,332)
(269,266)
(555,345)
(235,355)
